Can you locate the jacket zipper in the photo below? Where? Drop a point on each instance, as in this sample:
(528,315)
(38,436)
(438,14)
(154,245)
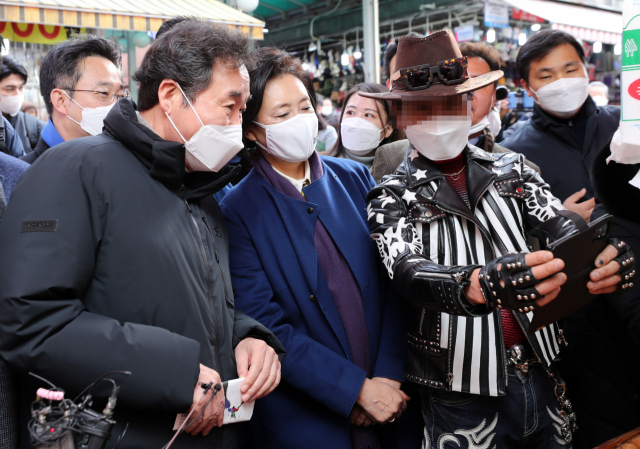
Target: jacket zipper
(503,349)
(421,321)
(421,274)
(209,299)
(449,362)
(224,285)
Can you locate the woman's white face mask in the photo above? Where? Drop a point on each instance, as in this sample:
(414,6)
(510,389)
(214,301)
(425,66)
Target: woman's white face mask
(360,136)
(293,140)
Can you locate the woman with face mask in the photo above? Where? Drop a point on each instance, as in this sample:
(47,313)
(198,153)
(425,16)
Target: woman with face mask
(366,134)
(303,264)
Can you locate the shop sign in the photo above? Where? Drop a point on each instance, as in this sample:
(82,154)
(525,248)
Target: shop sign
(36,33)
(519,14)
(630,52)
(496,15)
(630,74)
(464,33)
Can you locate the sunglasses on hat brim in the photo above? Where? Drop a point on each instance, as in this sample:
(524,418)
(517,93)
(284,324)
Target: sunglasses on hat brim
(448,72)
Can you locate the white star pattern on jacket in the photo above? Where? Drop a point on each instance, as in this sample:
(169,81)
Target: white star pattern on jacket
(420,174)
(517,167)
(409,196)
(414,154)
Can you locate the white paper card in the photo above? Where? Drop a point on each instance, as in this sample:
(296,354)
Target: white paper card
(234,409)
(180,417)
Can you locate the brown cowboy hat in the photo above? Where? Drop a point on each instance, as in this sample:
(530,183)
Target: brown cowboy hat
(432,66)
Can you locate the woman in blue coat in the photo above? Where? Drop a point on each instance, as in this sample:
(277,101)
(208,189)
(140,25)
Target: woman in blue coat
(304,265)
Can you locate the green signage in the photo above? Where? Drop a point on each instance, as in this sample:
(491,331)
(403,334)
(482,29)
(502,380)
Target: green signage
(630,48)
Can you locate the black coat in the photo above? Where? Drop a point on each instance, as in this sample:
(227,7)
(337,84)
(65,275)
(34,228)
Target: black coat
(28,128)
(602,361)
(40,148)
(134,277)
(551,145)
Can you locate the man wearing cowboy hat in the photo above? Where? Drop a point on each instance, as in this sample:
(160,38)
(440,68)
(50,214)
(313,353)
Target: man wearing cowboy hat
(451,225)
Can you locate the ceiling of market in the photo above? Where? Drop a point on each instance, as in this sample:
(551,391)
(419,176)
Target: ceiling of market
(290,21)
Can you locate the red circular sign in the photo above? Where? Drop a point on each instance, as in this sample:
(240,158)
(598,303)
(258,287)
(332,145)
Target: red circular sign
(52,35)
(21,33)
(634,89)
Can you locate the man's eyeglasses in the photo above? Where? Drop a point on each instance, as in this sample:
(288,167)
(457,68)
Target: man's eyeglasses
(106,98)
(450,71)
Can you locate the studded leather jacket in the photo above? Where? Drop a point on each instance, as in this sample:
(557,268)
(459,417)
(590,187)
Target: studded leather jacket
(430,241)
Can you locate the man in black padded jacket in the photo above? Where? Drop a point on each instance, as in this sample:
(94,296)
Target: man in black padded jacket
(123,257)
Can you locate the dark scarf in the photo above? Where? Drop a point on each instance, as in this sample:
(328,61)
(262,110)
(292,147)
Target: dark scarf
(341,282)
(164,159)
(487,140)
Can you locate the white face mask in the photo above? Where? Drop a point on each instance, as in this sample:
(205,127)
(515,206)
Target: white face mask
(11,105)
(441,139)
(326,111)
(482,124)
(495,123)
(598,99)
(563,97)
(359,136)
(213,146)
(92,118)
(293,140)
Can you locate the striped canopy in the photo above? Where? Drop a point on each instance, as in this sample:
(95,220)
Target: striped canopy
(134,15)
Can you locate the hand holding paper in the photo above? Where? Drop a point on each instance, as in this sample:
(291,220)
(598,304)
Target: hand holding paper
(234,409)
(259,365)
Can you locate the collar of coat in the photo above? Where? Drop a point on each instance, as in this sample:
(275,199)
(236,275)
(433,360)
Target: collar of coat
(543,120)
(164,159)
(479,170)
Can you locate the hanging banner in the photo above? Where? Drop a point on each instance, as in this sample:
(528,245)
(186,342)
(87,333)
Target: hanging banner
(496,15)
(519,14)
(36,33)
(464,33)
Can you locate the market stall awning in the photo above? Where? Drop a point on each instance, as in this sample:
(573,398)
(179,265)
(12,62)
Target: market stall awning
(134,15)
(590,35)
(580,21)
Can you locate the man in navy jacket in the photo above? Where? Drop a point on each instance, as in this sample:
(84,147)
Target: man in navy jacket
(567,129)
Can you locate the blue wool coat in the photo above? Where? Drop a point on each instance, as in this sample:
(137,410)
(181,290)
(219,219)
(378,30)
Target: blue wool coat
(279,282)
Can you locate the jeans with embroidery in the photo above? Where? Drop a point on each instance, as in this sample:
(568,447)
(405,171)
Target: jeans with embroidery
(526,418)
